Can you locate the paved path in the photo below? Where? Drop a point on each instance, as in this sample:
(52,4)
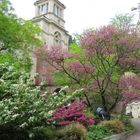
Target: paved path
(136,134)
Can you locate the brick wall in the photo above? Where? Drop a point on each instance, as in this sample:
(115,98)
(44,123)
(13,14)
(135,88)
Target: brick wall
(44,71)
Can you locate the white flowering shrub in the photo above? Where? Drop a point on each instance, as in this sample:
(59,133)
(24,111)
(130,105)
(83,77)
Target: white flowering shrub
(21,105)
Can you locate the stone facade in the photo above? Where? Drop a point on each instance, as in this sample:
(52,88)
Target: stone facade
(49,15)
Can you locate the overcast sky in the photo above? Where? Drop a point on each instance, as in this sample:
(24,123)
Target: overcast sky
(82,14)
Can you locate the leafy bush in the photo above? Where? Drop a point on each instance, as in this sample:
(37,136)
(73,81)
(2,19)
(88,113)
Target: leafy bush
(22,107)
(115,125)
(43,133)
(74,131)
(73,112)
(98,132)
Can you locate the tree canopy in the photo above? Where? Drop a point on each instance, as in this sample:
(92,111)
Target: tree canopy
(99,63)
(123,21)
(17,36)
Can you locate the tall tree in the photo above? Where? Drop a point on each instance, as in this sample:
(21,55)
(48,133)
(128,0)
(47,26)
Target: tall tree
(17,36)
(123,21)
(104,56)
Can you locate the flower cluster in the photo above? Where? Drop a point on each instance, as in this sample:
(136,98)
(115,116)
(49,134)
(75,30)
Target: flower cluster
(130,97)
(80,69)
(72,112)
(100,40)
(53,54)
(109,40)
(130,62)
(130,82)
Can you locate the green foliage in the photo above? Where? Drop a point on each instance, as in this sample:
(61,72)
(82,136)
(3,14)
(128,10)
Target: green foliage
(43,133)
(74,39)
(73,131)
(98,132)
(123,21)
(5,6)
(74,48)
(15,32)
(60,79)
(8,79)
(127,122)
(20,64)
(17,37)
(116,126)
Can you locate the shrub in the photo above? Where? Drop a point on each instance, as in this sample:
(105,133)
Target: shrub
(115,125)
(73,112)
(23,108)
(43,133)
(74,131)
(127,122)
(98,132)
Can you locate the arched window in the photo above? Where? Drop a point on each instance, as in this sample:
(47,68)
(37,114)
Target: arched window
(57,39)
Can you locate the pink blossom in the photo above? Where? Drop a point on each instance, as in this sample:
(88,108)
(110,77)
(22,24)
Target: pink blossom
(129,82)
(73,112)
(90,120)
(80,69)
(130,96)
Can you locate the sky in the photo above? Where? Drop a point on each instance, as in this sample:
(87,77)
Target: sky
(82,14)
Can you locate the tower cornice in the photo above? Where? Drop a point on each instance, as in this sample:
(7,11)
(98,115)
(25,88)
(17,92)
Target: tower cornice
(42,17)
(57,1)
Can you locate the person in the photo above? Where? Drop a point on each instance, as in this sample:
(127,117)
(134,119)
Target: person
(102,114)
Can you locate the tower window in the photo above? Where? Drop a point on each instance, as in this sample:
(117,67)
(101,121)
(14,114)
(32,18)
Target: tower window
(39,9)
(57,11)
(60,12)
(47,6)
(43,8)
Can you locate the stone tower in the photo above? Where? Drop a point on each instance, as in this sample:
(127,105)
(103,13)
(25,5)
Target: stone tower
(49,15)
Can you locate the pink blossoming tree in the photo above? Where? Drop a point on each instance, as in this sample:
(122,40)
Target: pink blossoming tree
(98,64)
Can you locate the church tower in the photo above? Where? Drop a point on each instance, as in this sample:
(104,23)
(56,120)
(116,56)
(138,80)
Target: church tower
(49,14)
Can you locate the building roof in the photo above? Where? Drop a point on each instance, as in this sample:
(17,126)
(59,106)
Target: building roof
(57,1)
